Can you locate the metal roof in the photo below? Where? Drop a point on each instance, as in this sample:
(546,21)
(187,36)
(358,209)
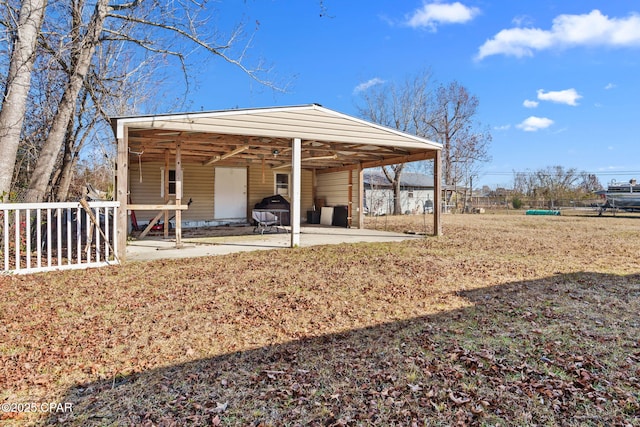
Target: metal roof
(329,139)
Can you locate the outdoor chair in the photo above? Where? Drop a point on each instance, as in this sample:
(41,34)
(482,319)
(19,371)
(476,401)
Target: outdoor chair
(265,221)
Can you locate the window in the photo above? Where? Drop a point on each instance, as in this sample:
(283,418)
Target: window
(172,182)
(410,193)
(282,184)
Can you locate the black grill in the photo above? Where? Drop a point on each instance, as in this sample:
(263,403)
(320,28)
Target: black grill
(276,202)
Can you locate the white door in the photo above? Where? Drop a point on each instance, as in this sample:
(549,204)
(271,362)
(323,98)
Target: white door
(230,197)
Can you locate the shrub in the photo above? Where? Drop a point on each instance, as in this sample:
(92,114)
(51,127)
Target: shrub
(516,202)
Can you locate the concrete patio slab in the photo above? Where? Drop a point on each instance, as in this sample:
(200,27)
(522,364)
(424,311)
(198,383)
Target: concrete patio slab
(152,249)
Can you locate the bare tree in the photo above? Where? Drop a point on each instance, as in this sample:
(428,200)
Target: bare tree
(400,107)
(589,183)
(111,88)
(166,30)
(447,116)
(451,120)
(22,29)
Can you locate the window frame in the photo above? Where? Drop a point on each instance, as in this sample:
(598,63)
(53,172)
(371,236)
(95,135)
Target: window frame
(171,182)
(277,189)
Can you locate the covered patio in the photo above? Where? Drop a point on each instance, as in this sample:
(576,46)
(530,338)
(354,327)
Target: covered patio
(229,160)
(239,240)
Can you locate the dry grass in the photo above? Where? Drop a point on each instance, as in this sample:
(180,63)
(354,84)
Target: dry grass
(505,320)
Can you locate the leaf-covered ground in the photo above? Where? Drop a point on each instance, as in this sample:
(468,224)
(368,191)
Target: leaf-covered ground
(504,320)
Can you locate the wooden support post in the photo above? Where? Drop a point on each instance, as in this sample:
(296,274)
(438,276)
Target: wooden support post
(360,196)
(437,194)
(314,187)
(178,195)
(166,192)
(350,198)
(296,167)
(122,192)
(247,192)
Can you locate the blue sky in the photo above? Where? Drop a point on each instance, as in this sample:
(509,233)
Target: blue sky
(558,81)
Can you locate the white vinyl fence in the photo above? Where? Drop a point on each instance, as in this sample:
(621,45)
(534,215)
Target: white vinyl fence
(38,237)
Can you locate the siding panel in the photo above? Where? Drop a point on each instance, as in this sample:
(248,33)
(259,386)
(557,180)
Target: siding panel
(258,189)
(334,189)
(197,185)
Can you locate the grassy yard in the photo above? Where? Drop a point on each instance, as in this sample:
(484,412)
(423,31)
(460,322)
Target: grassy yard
(504,320)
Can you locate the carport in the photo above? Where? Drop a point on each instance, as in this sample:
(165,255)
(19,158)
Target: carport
(323,151)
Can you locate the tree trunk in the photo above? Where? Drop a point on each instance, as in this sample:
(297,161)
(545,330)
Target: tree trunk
(17,87)
(55,139)
(397,205)
(395,185)
(69,160)
(73,145)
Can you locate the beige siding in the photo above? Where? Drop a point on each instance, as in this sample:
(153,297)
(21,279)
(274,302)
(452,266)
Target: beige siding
(356,199)
(334,189)
(306,199)
(198,185)
(262,184)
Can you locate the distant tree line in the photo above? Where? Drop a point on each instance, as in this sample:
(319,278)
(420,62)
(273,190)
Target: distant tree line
(554,186)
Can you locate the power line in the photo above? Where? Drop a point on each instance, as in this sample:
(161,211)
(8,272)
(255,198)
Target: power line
(529,172)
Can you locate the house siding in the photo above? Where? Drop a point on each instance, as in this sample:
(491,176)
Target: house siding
(198,184)
(379,201)
(146,188)
(334,189)
(260,188)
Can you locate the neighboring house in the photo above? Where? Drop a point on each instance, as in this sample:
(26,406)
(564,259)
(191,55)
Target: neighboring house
(227,161)
(416,193)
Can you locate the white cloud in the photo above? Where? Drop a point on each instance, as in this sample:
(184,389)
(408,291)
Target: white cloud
(432,14)
(609,86)
(592,29)
(567,96)
(366,85)
(522,20)
(533,123)
(503,127)
(530,104)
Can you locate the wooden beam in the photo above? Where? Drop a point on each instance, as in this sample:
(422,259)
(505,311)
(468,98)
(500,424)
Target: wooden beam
(169,207)
(122,192)
(350,199)
(225,156)
(178,196)
(166,191)
(360,196)
(151,224)
(425,155)
(437,194)
(286,165)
